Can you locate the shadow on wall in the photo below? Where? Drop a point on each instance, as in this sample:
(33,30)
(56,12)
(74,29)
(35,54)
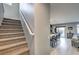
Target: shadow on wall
(1,13)
(11,10)
(28,12)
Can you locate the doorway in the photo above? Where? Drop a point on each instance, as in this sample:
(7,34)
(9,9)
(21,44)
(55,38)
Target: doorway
(61,30)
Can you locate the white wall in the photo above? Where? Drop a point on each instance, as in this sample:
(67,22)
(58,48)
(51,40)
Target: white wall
(64,13)
(28,12)
(29,37)
(1,13)
(11,11)
(42,29)
(27,15)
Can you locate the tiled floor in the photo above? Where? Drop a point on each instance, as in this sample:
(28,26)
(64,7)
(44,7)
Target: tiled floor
(64,48)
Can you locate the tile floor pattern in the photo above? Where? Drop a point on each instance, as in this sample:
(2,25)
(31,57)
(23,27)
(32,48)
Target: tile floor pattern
(64,47)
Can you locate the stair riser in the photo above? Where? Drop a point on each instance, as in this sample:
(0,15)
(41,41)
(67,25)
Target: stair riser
(12,41)
(10,27)
(17,21)
(11,35)
(6,22)
(10,31)
(11,21)
(6,51)
(11,24)
(25,53)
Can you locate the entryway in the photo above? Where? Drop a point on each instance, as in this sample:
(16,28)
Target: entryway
(61,30)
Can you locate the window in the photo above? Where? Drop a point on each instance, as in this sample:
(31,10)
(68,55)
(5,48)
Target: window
(78,29)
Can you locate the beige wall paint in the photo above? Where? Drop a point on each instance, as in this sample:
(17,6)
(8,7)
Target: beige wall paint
(42,29)
(39,43)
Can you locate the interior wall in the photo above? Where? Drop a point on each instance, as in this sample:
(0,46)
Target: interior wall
(28,36)
(11,11)
(27,16)
(64,13)
(28,11)
(1,13)
(42,29)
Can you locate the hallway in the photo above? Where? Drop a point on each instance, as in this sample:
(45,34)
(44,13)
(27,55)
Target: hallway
(64,48)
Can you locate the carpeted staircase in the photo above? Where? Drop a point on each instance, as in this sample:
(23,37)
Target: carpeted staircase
(12,39)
